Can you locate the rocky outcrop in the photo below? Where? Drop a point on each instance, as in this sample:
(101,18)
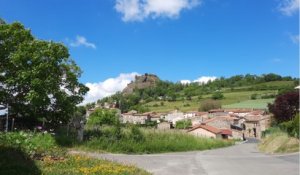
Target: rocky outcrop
(141,82)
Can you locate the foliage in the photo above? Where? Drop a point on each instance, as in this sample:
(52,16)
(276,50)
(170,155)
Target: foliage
(78,165)
(32,144)
(38,79)
(209,104)
(183,124)
(285,107)
(253,96)
(217,95)
(278,141)
(103,117)
(14,161)
(154,142)
(136,134)
(291,127)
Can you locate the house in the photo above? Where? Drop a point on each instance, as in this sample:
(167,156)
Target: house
(174,116)
(254,125)
(203,130)
(135,118)
(164,126)
(199,118)
(224,122)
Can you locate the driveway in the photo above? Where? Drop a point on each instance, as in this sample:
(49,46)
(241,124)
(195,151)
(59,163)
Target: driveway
(242,159)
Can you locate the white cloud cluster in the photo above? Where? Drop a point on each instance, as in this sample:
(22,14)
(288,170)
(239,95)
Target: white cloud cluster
(108,87)
(200,80)
(289,7)
(138,10)
(82,41)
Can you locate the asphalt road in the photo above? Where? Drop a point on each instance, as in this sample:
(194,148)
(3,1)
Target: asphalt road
(242,159)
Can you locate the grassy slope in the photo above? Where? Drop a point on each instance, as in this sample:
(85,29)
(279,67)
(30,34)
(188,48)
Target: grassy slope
(279,142)
(256,104)
(230,98)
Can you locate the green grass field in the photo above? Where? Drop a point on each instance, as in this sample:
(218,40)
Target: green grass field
(256,104)
(194,104)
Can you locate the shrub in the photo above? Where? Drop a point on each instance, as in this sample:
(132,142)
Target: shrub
(186,105)
(183,124)
(136,134)
(291,127)
(33,144)
(253,97)
(217,95)
(285,106)
(209,104)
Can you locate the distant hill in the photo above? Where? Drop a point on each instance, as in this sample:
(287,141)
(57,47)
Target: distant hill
(141,82)
(148,93)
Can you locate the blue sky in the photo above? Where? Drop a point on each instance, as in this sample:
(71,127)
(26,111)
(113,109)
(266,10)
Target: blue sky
(175,39)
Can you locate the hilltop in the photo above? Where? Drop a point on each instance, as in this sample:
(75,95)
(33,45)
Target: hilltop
(141,82)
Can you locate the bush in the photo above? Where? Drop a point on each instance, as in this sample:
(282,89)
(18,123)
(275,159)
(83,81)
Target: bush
(33,144)
(253,97)
(291,127)
(183,124)
(209,104)
(217,95)
(186,105)
(136,134)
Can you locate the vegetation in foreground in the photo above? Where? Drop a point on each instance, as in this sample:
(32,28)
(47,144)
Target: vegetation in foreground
(283,137)
(30,153)
(150,141)
(278,141)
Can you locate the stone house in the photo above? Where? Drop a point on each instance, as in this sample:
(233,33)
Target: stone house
(135,118)
(174,116)
(164,126)
(254,125)
(207,131)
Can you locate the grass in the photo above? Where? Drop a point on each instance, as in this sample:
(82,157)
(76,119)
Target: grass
(153,141)
(194,104)
(256,104)
(28,153)
(278,141)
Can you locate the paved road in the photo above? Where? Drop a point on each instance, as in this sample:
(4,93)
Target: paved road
(243,159)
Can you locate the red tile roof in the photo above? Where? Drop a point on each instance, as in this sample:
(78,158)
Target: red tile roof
(206,127)
(226,132)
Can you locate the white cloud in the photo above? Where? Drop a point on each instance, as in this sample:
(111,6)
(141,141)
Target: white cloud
(200,80)
(108,87)
(289,7)
(138,10)
(295,38)
(82,41)
(185,81)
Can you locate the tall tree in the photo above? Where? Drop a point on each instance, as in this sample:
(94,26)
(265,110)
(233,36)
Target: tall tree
(37,78)
(285,106)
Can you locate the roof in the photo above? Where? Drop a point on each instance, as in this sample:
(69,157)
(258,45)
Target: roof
(226,132)
(206,127)
(224,118)
(215,110)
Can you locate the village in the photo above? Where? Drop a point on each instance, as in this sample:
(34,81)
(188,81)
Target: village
(237,124)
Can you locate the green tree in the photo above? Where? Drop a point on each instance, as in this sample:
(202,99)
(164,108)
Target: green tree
(183,124)
(37,78)
(103,117)
(217,95)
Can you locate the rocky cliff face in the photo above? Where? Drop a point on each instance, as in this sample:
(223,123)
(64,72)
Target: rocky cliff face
(141,82)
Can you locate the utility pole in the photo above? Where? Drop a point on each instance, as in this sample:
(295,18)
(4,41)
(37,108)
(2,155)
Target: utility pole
(6,129)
